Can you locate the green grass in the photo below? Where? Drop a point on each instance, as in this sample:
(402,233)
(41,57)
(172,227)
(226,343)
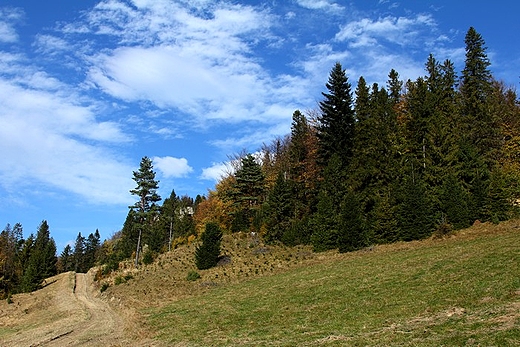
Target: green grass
(460,291)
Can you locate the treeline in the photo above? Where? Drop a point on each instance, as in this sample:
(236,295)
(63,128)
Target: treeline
(382,163)
(83,256)
(376,164)
(25,263)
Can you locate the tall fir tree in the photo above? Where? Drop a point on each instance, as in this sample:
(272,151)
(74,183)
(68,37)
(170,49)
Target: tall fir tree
(336,122)
(248,193)
(79,254)
(325,221)
(279,209)
(476,89)
(66,260)
(415,215)
(352,233)
(42,260)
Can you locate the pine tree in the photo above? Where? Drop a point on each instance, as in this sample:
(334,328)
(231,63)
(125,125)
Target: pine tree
(10,270)
(66,260)
(248,192)
(145,208)
(325,221)
(42,260)
(374,165)
(208,252)
(352,233)
(279,209)
(92,246)
(415,213)
(454,201)
(395,86)
(79,254)
(336,123)
(476,90)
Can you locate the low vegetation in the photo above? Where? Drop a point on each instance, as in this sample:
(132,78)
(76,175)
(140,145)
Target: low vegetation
(459,290)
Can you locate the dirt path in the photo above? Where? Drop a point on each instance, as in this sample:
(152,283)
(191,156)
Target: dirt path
(67,312)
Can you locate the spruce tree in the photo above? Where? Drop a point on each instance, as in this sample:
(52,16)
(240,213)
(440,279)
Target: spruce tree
(208,252)
(415,213)
(79,254)
(279,210)
(325,221)
(92,246)
(248,192)
(454,203)
(374,165)
(352,233)
(42,260)
(336,122)
(395,86)
(476,90)
(66,261)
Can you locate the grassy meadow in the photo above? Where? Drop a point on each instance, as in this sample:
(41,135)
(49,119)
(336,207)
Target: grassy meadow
(461,290)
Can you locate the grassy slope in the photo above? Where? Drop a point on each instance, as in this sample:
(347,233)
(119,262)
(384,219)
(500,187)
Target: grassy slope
(464,290)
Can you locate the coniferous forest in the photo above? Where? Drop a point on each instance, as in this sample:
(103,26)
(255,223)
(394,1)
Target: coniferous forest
(372,164)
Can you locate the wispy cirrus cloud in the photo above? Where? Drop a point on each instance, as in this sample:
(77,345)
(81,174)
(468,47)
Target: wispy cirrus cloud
(51,135)
(169,67)
(396,30)
(320,5)
(9,17)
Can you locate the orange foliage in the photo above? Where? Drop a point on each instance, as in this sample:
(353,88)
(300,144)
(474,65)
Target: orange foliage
(215,209)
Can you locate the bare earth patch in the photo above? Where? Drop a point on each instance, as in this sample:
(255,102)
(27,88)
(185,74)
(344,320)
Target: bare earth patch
(68,311)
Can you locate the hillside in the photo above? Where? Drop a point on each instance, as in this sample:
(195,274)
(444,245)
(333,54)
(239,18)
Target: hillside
(460,290)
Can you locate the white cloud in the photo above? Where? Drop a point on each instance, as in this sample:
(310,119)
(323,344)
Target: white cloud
(216,171)
(397,30)
(49,135)
(50,44)
(172,167)
(319,5)
(8,18)
(202,65)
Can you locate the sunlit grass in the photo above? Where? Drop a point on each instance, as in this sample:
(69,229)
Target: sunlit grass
(460,291)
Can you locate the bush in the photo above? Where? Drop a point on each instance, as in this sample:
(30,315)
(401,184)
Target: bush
(193,276)
(110,266)
(118,280)
(207,254)
(104,287)
(148,258)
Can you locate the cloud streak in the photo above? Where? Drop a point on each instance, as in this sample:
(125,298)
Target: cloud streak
(178,68)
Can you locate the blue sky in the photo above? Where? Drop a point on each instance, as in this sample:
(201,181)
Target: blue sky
(87,88)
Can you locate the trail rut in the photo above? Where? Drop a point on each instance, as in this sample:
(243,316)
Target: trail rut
(66,312)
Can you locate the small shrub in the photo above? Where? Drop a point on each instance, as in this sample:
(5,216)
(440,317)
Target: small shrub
(99,275)
(148,258)
(9,299)
(110,266)
(207,254)
(104,287)
(118,280)
(444,228)
(193,276)
(128,277)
